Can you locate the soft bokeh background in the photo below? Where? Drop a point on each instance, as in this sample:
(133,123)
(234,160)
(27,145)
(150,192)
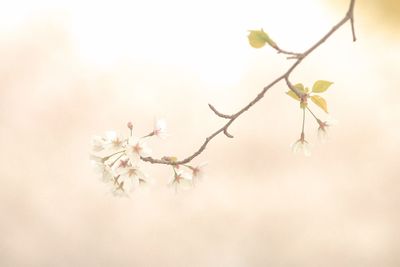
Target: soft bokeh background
(72,69)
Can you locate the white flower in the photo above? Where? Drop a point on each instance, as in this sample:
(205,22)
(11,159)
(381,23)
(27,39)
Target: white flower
(198,172)
(120,164)
(301,146)
(182,179)
(323,129)
(114,142)
(323,134)
(134,172)
(104,172)
(128,178)
(119,188)
(137,148)
(98,144)
(160,128)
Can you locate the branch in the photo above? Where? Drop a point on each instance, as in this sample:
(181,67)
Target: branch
(350,14)
(291,55)
(299,58)
(219,114)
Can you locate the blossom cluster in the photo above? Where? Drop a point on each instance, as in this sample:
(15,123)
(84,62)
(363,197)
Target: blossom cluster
(117,160)
(302,95)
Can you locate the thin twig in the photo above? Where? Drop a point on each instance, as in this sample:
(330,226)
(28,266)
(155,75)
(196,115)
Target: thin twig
(293,55)
(227,133)
(312,113)
(351,15)
(299,56)
(219,114)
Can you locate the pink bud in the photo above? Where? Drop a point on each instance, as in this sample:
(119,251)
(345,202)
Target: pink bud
(130,125)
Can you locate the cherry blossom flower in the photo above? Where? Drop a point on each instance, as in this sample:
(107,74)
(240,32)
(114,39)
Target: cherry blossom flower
(114,142)
(181,179)
(104,172)
(130,178)
(198,172)
(137,148)
(98,144)
(160,128)
(323,129)
(119,187)
(124,167)
(301,146)
(107,146)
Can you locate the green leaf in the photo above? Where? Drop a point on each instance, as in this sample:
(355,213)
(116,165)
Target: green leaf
(320,102)
(258,39)
(321,86)
(300,87)
(293,94)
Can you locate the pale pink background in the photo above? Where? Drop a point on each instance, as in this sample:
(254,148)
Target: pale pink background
(71,70)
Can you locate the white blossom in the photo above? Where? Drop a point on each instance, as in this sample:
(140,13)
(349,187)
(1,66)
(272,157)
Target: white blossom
(323,129)
(114,142)
(137,148)
(98,144)
(301,146)
(104,172)
(160,128)
(181,179)
(323,134)
(198,172)
(129,178)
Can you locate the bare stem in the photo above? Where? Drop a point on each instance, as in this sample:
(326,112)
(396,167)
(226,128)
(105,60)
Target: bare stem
(312,113)
(304,121)
(351,15)
(231,118)
(292,55)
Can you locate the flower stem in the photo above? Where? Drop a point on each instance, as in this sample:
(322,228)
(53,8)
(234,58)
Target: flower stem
(312,113)
(148,135)
(304,120)
(112,164)
(108,157)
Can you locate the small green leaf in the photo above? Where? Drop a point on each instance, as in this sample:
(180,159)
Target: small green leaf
(293,94)
(300,87)
(258,39)
(320,102)
(321,86)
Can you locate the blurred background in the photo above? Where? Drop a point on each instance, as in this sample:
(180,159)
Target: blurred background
(73,69)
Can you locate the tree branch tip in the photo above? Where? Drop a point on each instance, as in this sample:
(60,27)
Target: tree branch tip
(353,31)
(228,134)
(219,114)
